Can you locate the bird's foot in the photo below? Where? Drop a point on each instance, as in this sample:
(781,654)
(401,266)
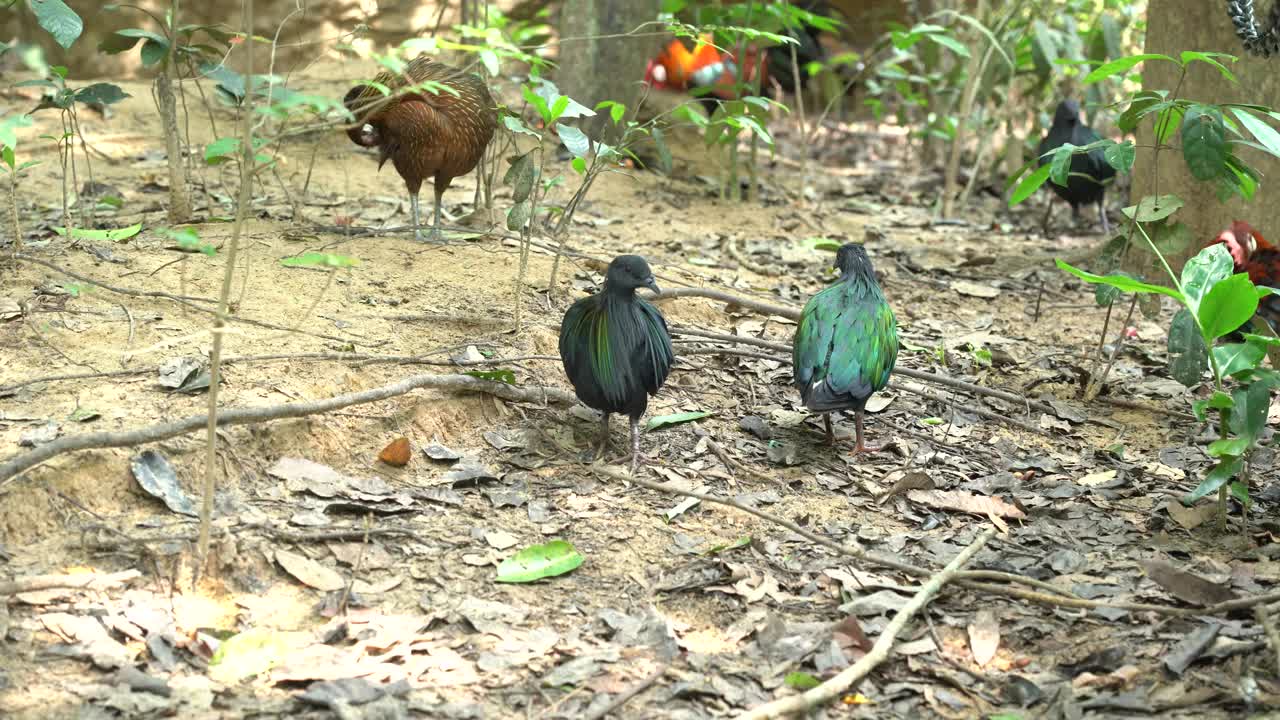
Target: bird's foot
(433,236)
(862,449)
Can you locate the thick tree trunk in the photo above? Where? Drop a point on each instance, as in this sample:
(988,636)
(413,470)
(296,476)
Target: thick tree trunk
(1177,25)
(594,67)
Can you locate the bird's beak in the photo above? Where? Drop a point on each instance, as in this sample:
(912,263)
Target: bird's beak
(652,284)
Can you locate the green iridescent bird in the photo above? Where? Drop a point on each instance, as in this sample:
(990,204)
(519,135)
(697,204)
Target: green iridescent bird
(846,344)
(616,348)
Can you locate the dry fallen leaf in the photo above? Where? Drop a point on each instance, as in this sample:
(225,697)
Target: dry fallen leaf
(1185,586)
(309,572)
(964,287)
(397,453)
(984,637)
(966,502)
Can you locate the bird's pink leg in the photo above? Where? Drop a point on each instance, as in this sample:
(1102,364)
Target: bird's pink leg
(860,448)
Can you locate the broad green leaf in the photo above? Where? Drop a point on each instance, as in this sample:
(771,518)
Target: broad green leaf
(521,176)
(153,53)
(579,166)
(1060,167)
(950,43)
(801,680)
(1266,135)
(247,654)
(1029,185)
(319,260)
(1249,416)
(59,20)
(1227,447)
(104,93)
(1228,305)
(518,216)
(9,129)
(820,243)
(1237,357)
(1152,208)
(1188,356)
(1139,105)
(490,60)
(1170,240)
(661,421)
(1120,155)
(1121,282)
(1219,475)
(502,375)
(1209,267)
(539,561)
(516,125)
(551,96)
(117,235)
(574,139)
(1121,65)
(1190,56)
(1204,143)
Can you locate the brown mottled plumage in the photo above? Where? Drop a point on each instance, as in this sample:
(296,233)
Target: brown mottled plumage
(424,134)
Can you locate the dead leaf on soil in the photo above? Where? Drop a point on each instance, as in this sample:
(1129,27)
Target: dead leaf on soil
(309,572)
(972,289)
(966,502)
(1097,478)
(904,481)
(1190,517)
(1186,586)
(984,637)
(397,453)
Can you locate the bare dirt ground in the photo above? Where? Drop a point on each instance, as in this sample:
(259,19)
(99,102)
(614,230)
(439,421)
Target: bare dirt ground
(703,608)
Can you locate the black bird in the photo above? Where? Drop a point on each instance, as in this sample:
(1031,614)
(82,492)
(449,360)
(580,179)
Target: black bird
(1090,172)
(616,348)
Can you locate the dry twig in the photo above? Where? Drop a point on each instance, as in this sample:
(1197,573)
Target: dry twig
(95,581)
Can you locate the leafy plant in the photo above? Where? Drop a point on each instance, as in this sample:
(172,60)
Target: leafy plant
(9,162)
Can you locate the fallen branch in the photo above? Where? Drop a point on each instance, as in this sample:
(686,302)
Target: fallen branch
(847,678)
(626,695)
(88,581)
(241,416)
(759,306)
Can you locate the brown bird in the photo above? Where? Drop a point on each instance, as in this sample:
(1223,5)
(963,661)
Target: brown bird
(439,131)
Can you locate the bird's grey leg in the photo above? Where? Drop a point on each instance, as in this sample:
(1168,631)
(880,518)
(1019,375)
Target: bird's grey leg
(635,445)
(831,435)
(413,207)
(1048,211)
(435,224)
(603,445)
(1102,213)
(861,448)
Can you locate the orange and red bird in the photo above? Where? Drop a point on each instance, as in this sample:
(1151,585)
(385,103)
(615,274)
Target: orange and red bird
(1253,254)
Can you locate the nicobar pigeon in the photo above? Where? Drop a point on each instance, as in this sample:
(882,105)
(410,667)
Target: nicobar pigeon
(846,344)
(1090,173)
(616,348)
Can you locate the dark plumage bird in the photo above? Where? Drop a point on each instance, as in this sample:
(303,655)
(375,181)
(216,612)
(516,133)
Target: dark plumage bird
(440,135)
(846,344)
(616,348)
(1090,172)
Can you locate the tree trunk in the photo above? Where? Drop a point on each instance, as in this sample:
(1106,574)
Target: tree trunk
(595,68)
(1174,26)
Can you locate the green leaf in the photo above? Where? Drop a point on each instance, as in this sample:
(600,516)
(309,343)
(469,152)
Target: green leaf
(1029,185)
(820,243)
(1171,239)
(117,235)
(516,125)
(518,216)
(539,561)
(579,166)
(500,375)
(319,260)
(490,60)
(521,176)
(1237,357)
(801,680)
(1139,105)
(1218,476)
(59,20)
(1227,447)
(1204,142)
(153,52)
(226,148)
(949,43)
(1060,167)
(574,139)
(9,129)
(1121,282)
(1121,65)
(1153,208)
(1188,356)
(1228,305)
(1209,267)
(1266,135)
(1120,155)
(1190,56)
(661,421)
(247,654)
(103,93)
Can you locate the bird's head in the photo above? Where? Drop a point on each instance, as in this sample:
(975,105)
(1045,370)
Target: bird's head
(629,272)
(1068,113)
(361,133)
(1242,241)
(852,261)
